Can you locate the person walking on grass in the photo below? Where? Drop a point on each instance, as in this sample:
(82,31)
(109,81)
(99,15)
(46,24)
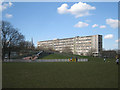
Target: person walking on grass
(104,59)
(71,59)
(117,61)
(76,59)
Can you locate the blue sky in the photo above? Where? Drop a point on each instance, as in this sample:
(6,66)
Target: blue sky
(44,21)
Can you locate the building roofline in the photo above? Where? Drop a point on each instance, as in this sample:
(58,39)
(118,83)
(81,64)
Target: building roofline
(69,38)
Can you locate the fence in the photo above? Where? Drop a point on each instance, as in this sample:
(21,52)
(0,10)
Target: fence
(45,60)
(82,60)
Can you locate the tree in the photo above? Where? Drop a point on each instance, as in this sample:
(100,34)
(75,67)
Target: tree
(50,49)
(26,45)
(46,48)
(11,38)
(40,48)
(91,52)
(67,50)
(109,53)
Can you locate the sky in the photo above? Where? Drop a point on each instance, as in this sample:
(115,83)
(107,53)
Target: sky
(51,20)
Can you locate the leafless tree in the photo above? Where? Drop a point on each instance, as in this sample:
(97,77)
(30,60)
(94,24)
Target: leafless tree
(40,48)
(67,50)
(10,36)
(26,45)
(46,48)
(50,48)
(110,53)
(91,51)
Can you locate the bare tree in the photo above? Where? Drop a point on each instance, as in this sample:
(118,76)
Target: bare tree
(10,36)
(67,50)
(50,49)
(110,53)
(91,52)
(26,45)
(46,48)
(40,48)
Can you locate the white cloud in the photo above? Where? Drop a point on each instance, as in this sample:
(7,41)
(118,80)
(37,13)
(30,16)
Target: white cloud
(63,9)
(102,26)
(55,38)
(117,40)
(78,9)
(10,4)
(95,25)
(108,36)
(112,22)
(87,20)
(81,24)
(0,6)
(5,6)
(8,15)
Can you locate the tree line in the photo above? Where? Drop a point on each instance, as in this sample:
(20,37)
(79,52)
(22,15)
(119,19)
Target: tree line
(12,39)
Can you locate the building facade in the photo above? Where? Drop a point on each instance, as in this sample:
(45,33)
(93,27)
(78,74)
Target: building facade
(78,45)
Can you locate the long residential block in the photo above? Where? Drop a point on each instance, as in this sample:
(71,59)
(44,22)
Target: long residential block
(78,45)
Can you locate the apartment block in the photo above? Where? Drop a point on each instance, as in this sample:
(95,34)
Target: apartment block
(78,45)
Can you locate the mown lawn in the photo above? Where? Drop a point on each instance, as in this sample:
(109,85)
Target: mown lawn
(60,56)
(92,74)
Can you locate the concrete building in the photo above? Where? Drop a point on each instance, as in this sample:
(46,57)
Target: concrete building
(78,45)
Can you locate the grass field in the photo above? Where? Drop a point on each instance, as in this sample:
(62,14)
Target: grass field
(92,74)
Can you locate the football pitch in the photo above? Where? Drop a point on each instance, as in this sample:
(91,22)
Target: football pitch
(91,74)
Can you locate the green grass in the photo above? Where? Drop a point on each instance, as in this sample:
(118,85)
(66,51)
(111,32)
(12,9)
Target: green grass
(68,56)
(54,56)
(92,74)
(61,56)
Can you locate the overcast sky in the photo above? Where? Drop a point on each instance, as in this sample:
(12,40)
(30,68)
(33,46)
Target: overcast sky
(46,21)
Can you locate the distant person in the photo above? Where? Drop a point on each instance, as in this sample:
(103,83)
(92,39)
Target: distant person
(104,59)
(71,59)
(117,61)
(30,58)
(76,59)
